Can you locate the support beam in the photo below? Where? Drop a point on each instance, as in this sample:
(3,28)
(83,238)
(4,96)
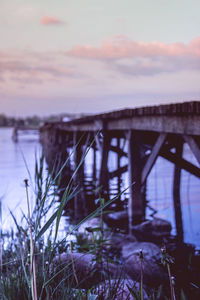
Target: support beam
(118,172)
(193,146)
(103,176)
(180,162)
(176,195)
(94,167)
(117,150)
(118,166)
(153,156)
(80,207)
(136,204)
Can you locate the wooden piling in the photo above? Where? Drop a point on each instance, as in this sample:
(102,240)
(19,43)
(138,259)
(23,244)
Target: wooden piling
(104,175)
(118,167)
(80,207)
(136,200)
(176,194)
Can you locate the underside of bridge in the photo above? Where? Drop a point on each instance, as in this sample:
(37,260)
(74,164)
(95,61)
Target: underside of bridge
(140,135)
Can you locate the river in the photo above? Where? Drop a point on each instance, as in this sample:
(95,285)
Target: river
(17,162)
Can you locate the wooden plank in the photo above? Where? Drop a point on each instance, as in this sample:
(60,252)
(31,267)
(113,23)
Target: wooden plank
(180,124)
(176,195)
(193,146)
(119,151)
(153,156)
(180,162)
(118,172)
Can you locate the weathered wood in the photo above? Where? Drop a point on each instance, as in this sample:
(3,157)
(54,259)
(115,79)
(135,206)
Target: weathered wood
(180,162)
(193,146)
(118,172)
(119,151)
(94,166)
(176,194)
(143,125)
(153,156)
(118,166)
(136,200)
(80,207)
(103,176)
(180,118)
(183,124)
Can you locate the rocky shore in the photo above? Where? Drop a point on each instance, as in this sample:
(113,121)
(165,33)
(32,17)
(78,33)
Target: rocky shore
(118,255)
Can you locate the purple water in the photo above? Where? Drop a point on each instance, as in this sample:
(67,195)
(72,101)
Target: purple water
(13,171)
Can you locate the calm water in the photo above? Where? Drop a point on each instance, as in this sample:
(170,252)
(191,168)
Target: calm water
(13,171)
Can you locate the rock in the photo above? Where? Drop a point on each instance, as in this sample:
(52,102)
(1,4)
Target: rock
(92,223)
(118,240)
(85,268)
(153,274)
(117,219)
(118,290)
(150,250)
(152,230)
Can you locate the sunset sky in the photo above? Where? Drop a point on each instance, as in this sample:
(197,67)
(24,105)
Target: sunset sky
(94,56)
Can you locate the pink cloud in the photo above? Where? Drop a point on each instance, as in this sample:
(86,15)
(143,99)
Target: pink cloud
(133,58)
(50,20)
(121,47)
(33,67)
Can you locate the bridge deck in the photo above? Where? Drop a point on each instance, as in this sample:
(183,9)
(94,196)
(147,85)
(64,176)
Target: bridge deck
(180,118)
(147,132)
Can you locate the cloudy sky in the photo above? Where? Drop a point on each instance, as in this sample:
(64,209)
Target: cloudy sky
(95,56)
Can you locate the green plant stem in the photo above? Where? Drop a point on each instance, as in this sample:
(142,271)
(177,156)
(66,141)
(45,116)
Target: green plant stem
(171,285)
(32,257)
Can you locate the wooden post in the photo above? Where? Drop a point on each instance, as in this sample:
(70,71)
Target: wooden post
(104,176)
(80,209)
(94,175)
(176,195)
(136,205)
(15,134)
(118,167)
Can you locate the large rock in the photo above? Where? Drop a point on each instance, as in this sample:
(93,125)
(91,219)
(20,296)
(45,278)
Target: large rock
(118,240)
(150,250)
(84,268)
(117,220)
(91,223)
(153,273)
(118,289)
(152,230)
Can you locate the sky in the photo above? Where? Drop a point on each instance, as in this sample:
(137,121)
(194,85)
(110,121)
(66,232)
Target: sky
(90,56)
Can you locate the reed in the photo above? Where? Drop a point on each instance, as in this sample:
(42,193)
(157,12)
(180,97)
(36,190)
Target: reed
(32,247)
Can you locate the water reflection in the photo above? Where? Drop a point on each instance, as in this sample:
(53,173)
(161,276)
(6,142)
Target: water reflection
(13,171)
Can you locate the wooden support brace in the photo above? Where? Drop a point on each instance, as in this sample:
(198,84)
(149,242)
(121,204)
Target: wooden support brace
(118,172)
(153,156)
(119,151)
(193,146)
(176,195)
(180,162)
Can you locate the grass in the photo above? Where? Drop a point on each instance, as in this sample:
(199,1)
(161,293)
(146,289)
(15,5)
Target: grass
(27,254)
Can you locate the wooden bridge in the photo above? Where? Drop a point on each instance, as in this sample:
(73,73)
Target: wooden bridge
(22,128)
(147,132)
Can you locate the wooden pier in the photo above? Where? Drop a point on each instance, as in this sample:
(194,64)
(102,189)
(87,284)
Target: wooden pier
(22,129)
(140,135)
